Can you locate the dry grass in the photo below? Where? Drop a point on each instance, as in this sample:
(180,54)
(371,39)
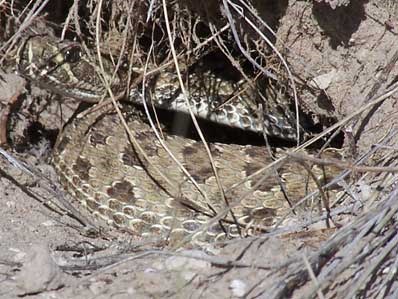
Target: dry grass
(360,259)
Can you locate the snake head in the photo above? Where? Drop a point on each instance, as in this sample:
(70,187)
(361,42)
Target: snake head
(63,68)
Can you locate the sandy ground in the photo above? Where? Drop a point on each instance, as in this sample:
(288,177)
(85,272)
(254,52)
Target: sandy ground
(45,253)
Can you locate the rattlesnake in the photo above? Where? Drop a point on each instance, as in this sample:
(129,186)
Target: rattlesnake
(130,179)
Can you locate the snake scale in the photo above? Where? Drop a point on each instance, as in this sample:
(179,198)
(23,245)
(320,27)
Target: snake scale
(129,178)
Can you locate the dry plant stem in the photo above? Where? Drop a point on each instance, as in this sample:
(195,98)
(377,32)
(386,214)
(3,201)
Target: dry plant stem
(25,9)
(390,278)
(325,200)
(182,168)
(157,70)
(152,2)
(37,8)
(333,182)
(382,79)
(171,62)
(123,121)
(190,111)
(218,261)
(330,139)
(312,276)
(297,276)
(328,251)
(343,175)
(61,208)
(157,121)
(76,20)
(392,90)
(224,49)
(97,43)
(237,40)
(363,239)
(123,48)
(69,17)
(15,162)
(373,268)
(274,169)
(341,165)
(236,37)
(351,250)
(307,223)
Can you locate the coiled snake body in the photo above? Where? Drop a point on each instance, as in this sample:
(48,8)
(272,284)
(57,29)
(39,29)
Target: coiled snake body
(129,178)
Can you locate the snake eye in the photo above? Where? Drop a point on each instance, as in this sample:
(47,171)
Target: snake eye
(73,55)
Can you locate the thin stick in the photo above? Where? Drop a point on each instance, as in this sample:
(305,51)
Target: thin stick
(184,92)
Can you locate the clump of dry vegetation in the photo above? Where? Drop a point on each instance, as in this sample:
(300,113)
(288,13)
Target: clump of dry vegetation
(360,259)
